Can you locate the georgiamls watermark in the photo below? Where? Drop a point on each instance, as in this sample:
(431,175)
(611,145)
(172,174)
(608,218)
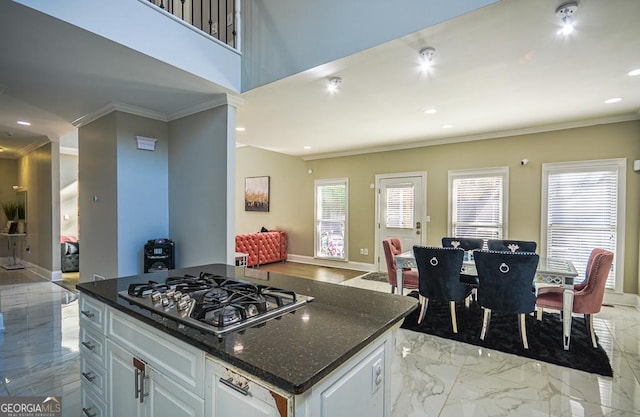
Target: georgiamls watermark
(30,407)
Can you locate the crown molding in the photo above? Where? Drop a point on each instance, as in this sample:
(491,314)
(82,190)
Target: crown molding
(114,106)
(217,101)
(481,136)
(31,147)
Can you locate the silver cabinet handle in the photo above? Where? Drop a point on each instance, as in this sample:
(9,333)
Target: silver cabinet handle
(140,377)
(89,376)
(136,381)
(230,384)
(90,314)
(89,345)
(87,413)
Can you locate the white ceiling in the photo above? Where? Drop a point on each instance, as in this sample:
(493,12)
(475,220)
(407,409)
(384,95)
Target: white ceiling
(500,70)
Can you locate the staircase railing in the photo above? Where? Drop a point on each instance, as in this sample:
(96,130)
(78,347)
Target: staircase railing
(217,18)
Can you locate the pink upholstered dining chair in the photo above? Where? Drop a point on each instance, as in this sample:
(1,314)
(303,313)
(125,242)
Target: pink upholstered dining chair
(587,295)
(393,247)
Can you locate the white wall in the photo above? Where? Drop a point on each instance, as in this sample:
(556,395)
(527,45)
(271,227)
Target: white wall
(69,195)
(97,171)
(284,37)
(138,26)
(202,186)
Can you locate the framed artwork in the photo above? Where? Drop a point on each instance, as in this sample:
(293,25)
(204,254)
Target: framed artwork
(256,194)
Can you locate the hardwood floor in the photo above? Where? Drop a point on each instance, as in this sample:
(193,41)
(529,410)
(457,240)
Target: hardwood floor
(315,272)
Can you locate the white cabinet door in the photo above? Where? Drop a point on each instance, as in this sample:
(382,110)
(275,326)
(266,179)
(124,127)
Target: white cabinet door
(121,381)
(359,392)
(168,399)
(232,394)
(229,402)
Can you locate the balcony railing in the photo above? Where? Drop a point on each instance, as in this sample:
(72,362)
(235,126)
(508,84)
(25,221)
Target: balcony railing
(217,18)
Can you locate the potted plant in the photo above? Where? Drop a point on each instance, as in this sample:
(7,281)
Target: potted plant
(10,210)
(20,213)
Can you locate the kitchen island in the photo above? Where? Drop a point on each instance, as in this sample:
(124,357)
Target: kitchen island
(329,357)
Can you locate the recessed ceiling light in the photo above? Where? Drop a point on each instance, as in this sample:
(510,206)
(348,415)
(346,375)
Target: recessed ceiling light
(634,72)
(307,147)
(447,126)
(1,149)
(613,100)
(430,111)
(23,123)
(240,129)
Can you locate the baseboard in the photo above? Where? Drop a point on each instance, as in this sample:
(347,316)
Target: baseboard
(42,272)
(622,299)
(356,266)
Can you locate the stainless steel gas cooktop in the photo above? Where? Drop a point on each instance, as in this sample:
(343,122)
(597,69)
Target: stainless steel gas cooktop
(213,303)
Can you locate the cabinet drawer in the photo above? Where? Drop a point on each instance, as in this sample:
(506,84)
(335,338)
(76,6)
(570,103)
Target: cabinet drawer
(178,360)
(92,346)
(93,378)
(92,313)
(92,406)
(232,393)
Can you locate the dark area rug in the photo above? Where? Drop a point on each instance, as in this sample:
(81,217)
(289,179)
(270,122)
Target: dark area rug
(545,338)
(376,276)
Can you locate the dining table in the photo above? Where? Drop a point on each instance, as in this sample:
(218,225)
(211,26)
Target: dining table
(550,271)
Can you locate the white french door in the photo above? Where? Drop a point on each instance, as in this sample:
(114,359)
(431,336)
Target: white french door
(401,209)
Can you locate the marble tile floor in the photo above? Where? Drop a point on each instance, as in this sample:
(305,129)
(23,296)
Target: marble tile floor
(439,377)
(39,353)
(430,376)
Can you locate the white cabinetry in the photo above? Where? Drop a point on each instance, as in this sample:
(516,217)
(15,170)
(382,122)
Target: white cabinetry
(139,390)
(92,343)
(360,387)
(358,392)
(135,369)
(132,369)
(230,393)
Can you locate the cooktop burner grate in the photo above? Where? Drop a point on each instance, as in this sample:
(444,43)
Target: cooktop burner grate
(214,303)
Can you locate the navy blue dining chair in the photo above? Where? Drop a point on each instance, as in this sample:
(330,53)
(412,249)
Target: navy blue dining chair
(512,245)
(439,278)
(505,286)
(468,244)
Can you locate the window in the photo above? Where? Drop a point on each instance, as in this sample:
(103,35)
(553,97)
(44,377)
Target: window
(331,218)
(399,213)
(582,209)
(478,203)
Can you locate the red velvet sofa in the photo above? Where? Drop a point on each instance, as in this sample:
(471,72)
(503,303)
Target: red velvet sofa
(263,247)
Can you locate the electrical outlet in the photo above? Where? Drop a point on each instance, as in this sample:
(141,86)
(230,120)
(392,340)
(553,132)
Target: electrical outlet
(361,251)
(366,251)
(97,277)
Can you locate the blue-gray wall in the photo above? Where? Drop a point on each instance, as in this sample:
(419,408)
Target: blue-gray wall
(284,37)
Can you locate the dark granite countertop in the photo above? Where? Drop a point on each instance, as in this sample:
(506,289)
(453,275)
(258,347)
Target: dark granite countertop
(292,352)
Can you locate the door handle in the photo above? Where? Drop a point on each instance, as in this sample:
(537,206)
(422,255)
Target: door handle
(418,225)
